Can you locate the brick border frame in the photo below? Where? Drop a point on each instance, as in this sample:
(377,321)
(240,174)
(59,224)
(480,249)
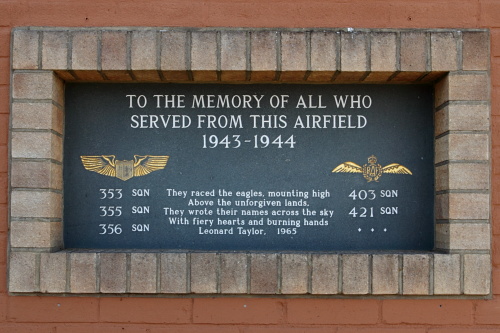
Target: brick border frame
(456,62)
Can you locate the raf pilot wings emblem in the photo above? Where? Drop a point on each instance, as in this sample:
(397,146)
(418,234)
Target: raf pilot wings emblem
(108,165)
(372,171)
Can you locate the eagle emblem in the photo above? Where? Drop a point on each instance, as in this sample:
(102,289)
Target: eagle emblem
(372,171)
(108,165)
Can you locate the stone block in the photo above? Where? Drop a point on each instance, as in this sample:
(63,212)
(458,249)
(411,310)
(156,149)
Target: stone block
(465,206)
(475,50)
(233,273)
(53,268)
(477,274)
(25,49)
(353,56)
(444,51)
(22,272)
(294,274)
(143,273)
(414,52)
(355,274)
(264,273)
(204,267)
(457,117)
(37,116)
(293,56)
(36,145)
(383,52)
(173,273)
(462,87)
(36,234)
(416,269)
(143,50)
(204,55)
(385,274)
(324,50)
(45,204)
(55,50)
(233,55)
(39,174)
(463,236)
(264,55)
(84,50)
(83,272)
(114,51)
(173,55)
(446,274)
(466,147)
(463,176)
(325,274)
(113,273)
(39,85)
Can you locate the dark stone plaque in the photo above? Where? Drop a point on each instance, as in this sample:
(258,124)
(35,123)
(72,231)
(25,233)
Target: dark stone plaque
(249,167)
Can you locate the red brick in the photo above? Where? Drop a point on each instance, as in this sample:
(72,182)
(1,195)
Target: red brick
(3,159)
(4,42)
(238,311)
(462,330)
(4,71)
(4,129)
(3,188)
(196,329)
(495,219)
(495,42)
(423,14)
(487,312)
(495,73)
(4,100)
(496,280)
(490,12)
(93,328)
(288,329)
(495,245)
(145,310)
(333,311)
(440,312)
(495,101)
(27,328)
(382,330)
(52,309)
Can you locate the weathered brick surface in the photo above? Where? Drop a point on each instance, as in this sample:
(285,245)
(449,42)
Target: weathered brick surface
(428,312)
(325,274)
(173,273)
(263,55)
(233,273)
(36,204)
(37,116)
(22,277)
(293,56)
(355,274)
(233,55)
(55,50)
(264,274)
(25,49)
(39,174)
(416,274)
(477,274)
(324,49)
(385,274)
(204,267)
(456,117)
(84,51)
(53,272)
(83,272)
(204,56)
(113,272)
(456,87)
(475,50)
(443,51)
(446,274)
(294,274)
(36,234)
(173,55)
(332,312)
(143,272)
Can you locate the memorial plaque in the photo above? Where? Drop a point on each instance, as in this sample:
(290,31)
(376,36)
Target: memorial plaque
(249,167)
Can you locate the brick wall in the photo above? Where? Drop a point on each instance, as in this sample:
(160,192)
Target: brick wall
(257,314)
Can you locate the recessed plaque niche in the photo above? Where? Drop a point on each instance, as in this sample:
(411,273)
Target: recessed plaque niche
(261,167)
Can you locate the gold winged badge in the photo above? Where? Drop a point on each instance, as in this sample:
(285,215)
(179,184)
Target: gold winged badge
(372,171)
(108,165)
